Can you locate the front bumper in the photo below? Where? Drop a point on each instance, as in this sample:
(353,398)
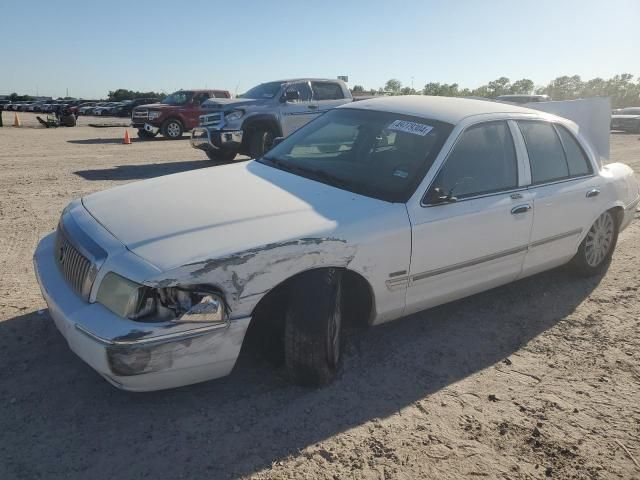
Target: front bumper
(133,355)
(204,138)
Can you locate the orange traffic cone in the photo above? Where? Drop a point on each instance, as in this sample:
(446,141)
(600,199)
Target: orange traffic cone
(16,120)
(127,140)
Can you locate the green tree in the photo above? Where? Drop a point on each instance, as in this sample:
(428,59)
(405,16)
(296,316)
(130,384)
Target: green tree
(358,89)
(441,89)
(124,94)
(393,85)
(523,86)
(499,86)
(407,91)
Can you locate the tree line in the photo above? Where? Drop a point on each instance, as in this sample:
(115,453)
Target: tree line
(623,90)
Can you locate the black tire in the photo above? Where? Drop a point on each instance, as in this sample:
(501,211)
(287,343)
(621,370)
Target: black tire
(172,129)
(591,259)
(313,328)
(638,127)
(143,134)
(220,156)
(260,142)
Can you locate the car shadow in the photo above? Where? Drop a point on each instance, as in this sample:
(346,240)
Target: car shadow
(142,171)
(103,141)
(60,416)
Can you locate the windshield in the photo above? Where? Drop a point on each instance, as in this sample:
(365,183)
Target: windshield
(178,98)
(377,154)
(630,111)
(265,90)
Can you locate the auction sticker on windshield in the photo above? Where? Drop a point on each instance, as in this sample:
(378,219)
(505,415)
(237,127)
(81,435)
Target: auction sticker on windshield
(410,127)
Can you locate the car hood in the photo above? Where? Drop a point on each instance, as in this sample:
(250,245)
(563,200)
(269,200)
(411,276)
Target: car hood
(178,219)
(230,103)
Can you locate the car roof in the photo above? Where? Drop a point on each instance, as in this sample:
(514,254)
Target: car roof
(305,79)
(445,109)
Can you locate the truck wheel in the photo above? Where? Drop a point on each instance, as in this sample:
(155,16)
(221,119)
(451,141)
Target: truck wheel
(143,134)
(220,155)
(596,250)
(313,328)
(260,142)
(172,129)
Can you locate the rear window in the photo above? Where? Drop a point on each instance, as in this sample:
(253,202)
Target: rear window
(546,154)
(327,91)
(576,158)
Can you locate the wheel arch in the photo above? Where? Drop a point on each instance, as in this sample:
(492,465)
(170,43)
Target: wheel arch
(358,301)
(261,119)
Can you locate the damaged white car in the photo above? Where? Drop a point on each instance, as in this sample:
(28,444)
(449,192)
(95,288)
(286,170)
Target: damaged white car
(375,210)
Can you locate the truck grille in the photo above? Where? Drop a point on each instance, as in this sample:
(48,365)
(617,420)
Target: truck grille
(142,113)
(211,119)
(75,268)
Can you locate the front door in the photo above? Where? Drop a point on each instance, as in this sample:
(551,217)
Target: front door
(296,113)
(472,229)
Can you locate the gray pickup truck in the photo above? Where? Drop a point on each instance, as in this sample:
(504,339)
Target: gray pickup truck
(248,124)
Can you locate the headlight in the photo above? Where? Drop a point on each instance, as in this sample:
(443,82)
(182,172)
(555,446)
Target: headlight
(138,302)
(153,114)
(234,115)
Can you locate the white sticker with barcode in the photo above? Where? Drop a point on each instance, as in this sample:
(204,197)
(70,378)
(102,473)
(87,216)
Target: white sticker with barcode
(410,127)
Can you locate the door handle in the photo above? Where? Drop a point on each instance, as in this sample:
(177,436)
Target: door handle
(520,209)
(594,192)
(312,107)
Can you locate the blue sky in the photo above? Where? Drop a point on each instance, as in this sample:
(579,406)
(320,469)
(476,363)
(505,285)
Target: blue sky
(162,45)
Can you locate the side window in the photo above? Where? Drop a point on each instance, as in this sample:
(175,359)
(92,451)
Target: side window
(576,158)
(199,98)
(327,91)
(303,90)
(546,155)
(482,161)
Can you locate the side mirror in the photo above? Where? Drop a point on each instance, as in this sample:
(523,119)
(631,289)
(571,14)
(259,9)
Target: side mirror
(291,96)
(277,141)
(437,196)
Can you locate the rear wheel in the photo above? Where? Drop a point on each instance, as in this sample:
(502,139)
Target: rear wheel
(142,133)
(596,250)
(313,327)
(260,142)
(172,129)
(220,155)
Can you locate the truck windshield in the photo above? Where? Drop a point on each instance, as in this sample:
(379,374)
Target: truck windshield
(378,154)
(178,98)
(264,90)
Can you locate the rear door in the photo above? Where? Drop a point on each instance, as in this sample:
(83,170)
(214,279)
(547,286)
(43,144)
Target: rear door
(479,240)
(328,95)
(296,113)
(565,192)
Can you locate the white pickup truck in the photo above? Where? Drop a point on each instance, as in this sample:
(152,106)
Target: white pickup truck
(375,210)
(248,124)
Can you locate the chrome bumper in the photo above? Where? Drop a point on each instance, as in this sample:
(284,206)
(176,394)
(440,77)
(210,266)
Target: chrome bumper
(204,138)
(133,355)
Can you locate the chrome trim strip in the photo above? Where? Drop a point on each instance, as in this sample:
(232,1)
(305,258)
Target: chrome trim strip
(170,337)
(470,263)
(399,282)
(544,241)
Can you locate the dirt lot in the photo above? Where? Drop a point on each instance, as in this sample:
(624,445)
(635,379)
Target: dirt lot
(533,380)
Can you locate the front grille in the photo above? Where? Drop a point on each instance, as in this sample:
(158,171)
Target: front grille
(75,268)
(211,119)
(144,113)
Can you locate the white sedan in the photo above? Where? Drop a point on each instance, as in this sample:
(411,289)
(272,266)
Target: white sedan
(373,211)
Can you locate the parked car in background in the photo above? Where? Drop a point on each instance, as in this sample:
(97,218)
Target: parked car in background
(88,110)
(375,210)
(627,119)
(521,99)
(106,109)
(249,124)
(177,113)
(128,105)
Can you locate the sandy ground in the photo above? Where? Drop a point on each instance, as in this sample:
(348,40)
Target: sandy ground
(537,379)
